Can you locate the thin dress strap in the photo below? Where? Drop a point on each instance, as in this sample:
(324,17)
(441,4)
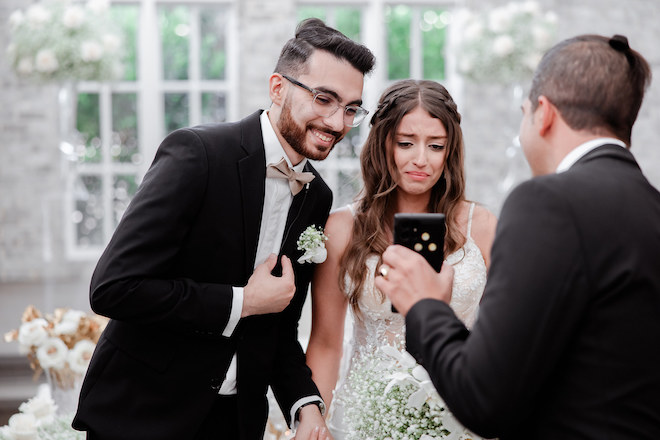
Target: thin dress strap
(469,226)
(352,207)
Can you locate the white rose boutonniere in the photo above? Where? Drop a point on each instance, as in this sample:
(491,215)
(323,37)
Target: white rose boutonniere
(312,241)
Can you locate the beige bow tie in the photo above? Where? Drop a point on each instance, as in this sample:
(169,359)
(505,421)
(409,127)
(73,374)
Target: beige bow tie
(296,180)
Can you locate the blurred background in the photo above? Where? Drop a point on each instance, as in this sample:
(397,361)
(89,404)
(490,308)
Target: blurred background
(79,134)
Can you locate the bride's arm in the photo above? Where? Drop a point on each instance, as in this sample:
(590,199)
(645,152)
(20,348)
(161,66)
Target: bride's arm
(329,307)
(484,224)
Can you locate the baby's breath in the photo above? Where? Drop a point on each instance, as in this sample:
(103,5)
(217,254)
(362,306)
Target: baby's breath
(379,410)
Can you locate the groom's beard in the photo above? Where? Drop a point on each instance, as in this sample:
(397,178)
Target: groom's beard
(296,135)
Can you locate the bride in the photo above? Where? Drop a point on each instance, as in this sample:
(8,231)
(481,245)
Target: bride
(412,162)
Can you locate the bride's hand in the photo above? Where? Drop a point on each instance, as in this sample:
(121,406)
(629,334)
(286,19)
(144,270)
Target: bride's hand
(316,434)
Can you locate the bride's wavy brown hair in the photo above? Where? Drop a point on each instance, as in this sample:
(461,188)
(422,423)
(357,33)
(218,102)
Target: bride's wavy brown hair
(376,202)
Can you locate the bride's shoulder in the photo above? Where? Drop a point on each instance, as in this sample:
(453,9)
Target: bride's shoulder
(340,225)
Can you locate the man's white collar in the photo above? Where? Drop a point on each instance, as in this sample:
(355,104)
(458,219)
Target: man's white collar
(581,150)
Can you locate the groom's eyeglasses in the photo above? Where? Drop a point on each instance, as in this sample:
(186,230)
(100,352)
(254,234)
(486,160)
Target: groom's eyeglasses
(326,105)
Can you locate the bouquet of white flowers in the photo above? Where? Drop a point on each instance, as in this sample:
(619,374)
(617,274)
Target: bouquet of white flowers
(61,343)
(37,420)
(393,399)
(504,44)
(65,40)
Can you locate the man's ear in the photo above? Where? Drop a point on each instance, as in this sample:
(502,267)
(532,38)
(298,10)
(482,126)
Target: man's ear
(547,115)
(276,88)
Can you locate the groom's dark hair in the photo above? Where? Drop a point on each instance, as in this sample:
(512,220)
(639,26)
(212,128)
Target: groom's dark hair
(597,83)
(313,34)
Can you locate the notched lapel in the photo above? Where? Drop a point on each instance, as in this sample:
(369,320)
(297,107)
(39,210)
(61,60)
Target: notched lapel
(252,172)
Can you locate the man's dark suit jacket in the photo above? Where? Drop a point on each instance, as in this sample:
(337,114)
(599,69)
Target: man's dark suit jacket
(566,342)
(166,279)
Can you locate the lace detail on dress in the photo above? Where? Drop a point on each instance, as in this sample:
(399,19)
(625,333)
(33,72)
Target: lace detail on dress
(378,326)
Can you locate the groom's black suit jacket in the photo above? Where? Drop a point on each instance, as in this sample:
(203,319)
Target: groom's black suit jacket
(566,342)
(190,233)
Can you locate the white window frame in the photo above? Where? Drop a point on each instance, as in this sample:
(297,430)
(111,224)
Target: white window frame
(373,34)
(150,88)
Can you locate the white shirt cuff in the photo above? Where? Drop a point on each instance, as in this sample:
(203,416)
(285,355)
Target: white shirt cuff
(236,309)
(300,403)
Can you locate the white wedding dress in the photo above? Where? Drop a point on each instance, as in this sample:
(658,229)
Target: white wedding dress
(379,326)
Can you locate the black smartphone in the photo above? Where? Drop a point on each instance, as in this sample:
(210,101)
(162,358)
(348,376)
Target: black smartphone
(423,233)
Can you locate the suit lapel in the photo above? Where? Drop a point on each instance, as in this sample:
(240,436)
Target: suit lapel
(252,174)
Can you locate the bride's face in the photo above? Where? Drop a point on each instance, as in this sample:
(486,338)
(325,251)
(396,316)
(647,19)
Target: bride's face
(419,145)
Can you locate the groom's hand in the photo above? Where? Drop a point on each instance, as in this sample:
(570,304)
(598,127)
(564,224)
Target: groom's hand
(265,293)
(410,278)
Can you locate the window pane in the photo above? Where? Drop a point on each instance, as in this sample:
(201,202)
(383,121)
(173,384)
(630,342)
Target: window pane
(89,126)
(127,18)
(176,111)
(398,41)
(124,146)
(348,186)
(214,107)
(89,211)
(174,32)
(434,26)
(124,188)
(311,11)
(348,22)
(213,23)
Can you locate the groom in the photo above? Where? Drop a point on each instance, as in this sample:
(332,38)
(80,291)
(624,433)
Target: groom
(566,343)
(201,279)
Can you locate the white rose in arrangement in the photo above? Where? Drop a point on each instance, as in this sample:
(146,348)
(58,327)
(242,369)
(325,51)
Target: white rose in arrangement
(33,333)
(73,17)
(69,323)
(65,41)
(80,355)
(98,6)
(37,16)
(46,61)
(503,44)
(41,406)
(52,354)
(91,51)
(22,427)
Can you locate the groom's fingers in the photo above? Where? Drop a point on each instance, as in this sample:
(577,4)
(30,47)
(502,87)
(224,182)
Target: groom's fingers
(287,268)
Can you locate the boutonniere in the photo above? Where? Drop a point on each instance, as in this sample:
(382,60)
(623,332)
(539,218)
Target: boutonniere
(312,241)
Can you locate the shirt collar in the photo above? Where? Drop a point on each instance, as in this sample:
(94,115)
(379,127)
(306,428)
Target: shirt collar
(273,148)
(581,150)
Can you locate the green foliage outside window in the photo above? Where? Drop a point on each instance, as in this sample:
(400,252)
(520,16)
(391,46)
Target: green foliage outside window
(174,34)
(88,124)
(346,19)
(126,18)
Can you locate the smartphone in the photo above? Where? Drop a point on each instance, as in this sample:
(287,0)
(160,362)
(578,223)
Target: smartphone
(423,233)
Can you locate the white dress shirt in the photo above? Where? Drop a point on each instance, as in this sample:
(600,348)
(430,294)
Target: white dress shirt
(581,150)
(277,202)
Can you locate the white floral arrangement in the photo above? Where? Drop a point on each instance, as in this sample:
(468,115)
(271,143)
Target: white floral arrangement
(64,40)
(312,241)
(503,44)
(393,398)
(62,343)
(37,419)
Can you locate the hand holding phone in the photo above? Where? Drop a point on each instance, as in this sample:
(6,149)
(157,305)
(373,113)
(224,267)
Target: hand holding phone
(423,233)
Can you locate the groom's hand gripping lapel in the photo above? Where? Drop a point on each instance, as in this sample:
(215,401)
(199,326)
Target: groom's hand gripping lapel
(266,293)
(409,278)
